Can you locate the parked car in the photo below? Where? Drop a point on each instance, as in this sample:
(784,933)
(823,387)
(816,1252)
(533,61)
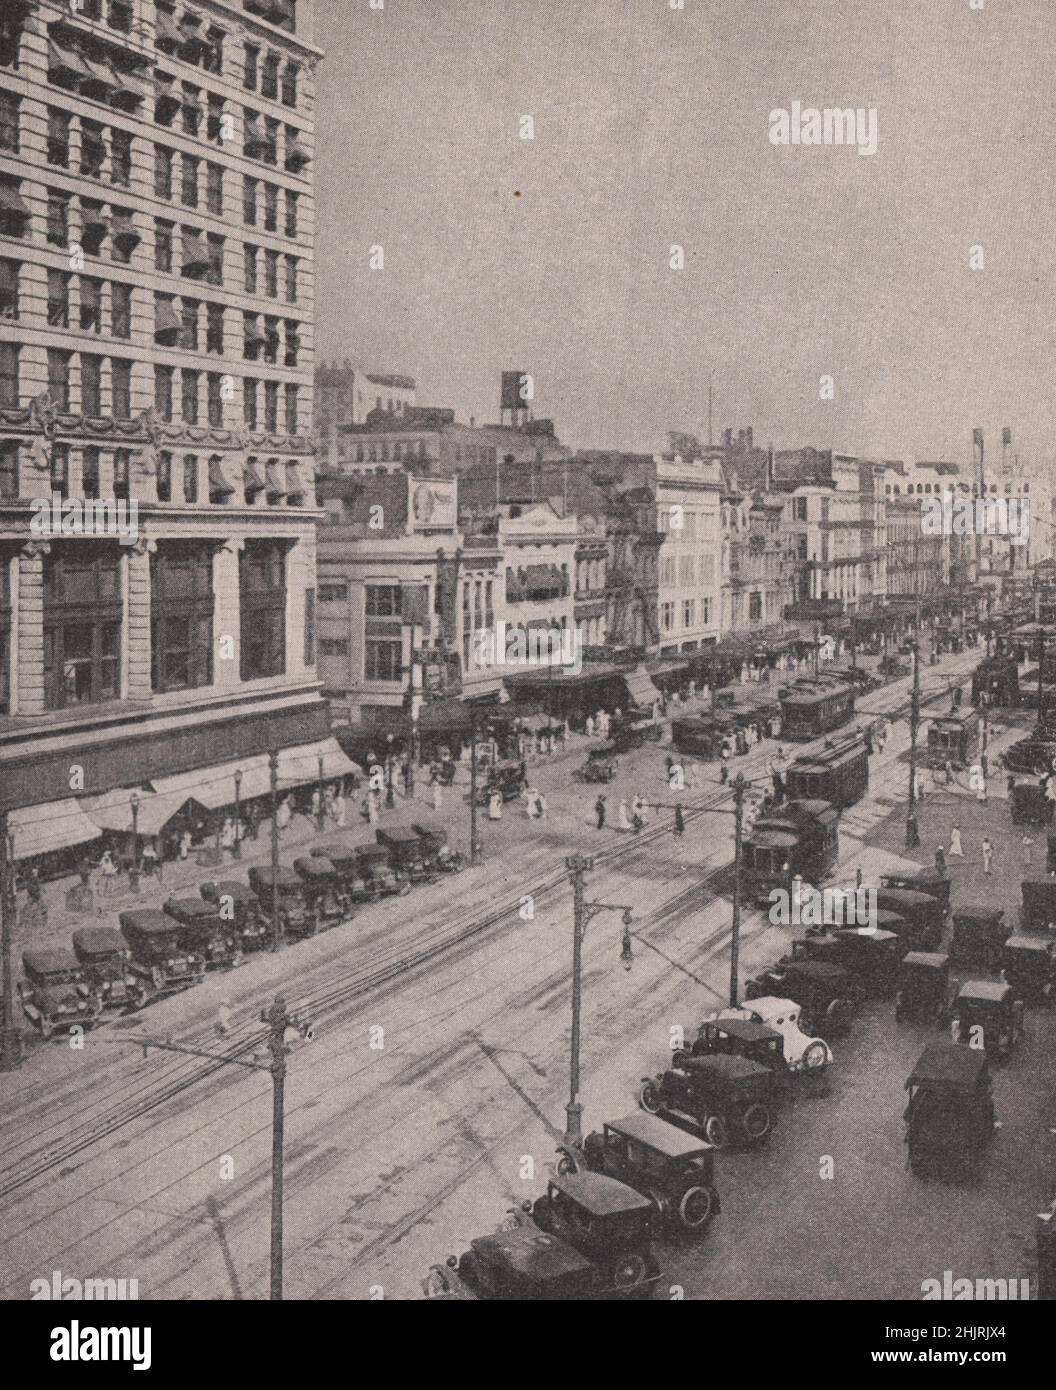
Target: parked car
(442,857)
(979,936)
(728,1099)
(238,903)
(1030,805)
(1028,963)
(1037,913)
(324,891)
(601,765)
(504,777)
(104,957)
(204,931)
(283,888)
(924,990)
(872,956)
(675,1171)
(56,992)
(801,1052)
(921,881)
(159,961)
(408,854)
(922,913)
(375,877)
(588,1238)
(950,1116)
(826,993)
(635,733)
(987,1014)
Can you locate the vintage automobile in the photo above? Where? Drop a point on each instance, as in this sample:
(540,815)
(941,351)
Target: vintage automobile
(588,1238)
(442,857)
(104,956)
(923,916)
(601,765)
(675,1171)
(950,1116)
(1037,913)
(924,990)
(979,937)
(923,880)
(285,890)
(702,736)
(1030,805)
(997,680)
(374,878)
(1035,753)
(871,954)
(203,930)
(749,1032)
(632,733)
(504,777)
(826,993)
(324,890)
(238,903)
(1028,963)
(987,1014)
(892,669)
(159,961)
(728,1099)
(408,854)
(56,992)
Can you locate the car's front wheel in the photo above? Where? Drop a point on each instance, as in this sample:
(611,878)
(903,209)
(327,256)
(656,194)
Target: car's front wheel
(566,1163)
(715,1132)
(695,1208)
(815,1055)
(756,1121)
(649,1097)
(628,1272)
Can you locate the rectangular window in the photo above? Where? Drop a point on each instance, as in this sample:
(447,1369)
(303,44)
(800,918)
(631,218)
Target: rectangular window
(249,201)
(58,299)
(9,387)
(90,472)
(755,607)
(121,310)
(162,172)
(383,659)
(188,337)
(120,158)
(271,274)
(188,180)
(291,214)
(58,138)
(192,109)
(271,208)
(91,293)
(249,403)
(189,396)
(250,258)
(214,124)
(93,149)
(163,393)
(181,616)
(271,340)
(214,189)
(293,343)
(165,477)
(9,276)
(333,593)
(214,400)
(262,594)
(59,378)
(213,51)
(60,469)
(214,332)
(82,624)
(91,384)
(8,487)
(249,73)
(215,247)
(269,80)
(122,474)
(121,388)
(163,233)
(383,601)
(271,407)
(688,612)
(9,104)
(291,279)
(289,84)
(59,219)
(119,16)
(309,627)
(190,478)
(291,408)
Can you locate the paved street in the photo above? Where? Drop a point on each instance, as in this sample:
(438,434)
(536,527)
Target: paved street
(159,1169)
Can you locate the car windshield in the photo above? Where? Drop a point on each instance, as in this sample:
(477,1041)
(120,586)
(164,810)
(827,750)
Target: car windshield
(60,977)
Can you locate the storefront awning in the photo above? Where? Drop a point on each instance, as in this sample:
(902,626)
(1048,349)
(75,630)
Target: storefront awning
(640,688)
(300,765)
(55,825)
(113,810)
(214,787)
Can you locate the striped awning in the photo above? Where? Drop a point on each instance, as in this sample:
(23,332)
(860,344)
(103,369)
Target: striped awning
(55,825)
(113,810)
(214,787)
(300,765)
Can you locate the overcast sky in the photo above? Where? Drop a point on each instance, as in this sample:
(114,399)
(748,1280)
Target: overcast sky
(652,129)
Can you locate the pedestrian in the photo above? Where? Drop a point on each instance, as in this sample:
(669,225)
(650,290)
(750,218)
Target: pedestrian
(625,823)
(317,804)
(920,784)
(599,811)
(108,869)
(988,855)
(1028,846)
(227,834)
(495,804)
(223,1017)
(680,821)
(955,842)
(283,815)
(151,865)
(522,771)
(540,800)
(590,726)
(185,843)
(858,877)
(373,811)
(940,860)
(438,796)
(724,771)
(949,773)
(338,809)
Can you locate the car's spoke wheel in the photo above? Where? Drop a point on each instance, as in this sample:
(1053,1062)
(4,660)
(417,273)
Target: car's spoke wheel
(567,1163)
(756,1121)
(628,1272)
(815,1055)
(694,1210)
(649,1097)
(715,1132)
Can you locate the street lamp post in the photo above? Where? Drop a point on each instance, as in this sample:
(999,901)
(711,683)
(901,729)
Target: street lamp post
(321,819)
(474,843)
(276,918)
(236,848)
(390,799)
(738,833)
(133,873)
(10,1033)
(912,830)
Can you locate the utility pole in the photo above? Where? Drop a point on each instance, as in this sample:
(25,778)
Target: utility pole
(912,832)
(322,799)
(474,846)
(738,832)
(817,647)
(276,920)
(10,1033)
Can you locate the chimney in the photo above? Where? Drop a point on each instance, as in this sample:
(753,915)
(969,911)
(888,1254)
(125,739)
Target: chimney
(727,439)
(748,437)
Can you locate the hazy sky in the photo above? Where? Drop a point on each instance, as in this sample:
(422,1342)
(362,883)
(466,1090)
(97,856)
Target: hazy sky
(652,129)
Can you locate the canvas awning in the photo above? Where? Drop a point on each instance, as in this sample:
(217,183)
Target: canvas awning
(61,58)
(300,765)
(100,72)
(166,319)
(11,201)
(113,810)
(254,335)
(165,25)
(55,825)
(195,253)
(294,487)
(95,219)
(296,155)
(640,688)
(214,787)
(276,481)
(218,483)
(123,230)
(254,481)
(255,139)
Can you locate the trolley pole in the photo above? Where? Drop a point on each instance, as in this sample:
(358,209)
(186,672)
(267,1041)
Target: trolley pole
(276,921)
(277,1021)
(817,648)
(912,831)
(573,1110)
(10,1033)
(321,822)
(474,845)
(735,938)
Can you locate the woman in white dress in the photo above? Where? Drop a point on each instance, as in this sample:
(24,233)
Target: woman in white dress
(955,842)
(624,819)
(495,805)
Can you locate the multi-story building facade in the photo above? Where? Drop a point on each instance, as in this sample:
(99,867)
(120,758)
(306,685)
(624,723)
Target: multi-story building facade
(346,395)
(753,559)
(688,499)
(156,239)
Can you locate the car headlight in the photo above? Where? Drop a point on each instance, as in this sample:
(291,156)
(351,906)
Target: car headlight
(82,1003)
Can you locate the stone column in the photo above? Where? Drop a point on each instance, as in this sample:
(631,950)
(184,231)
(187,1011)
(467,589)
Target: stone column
(30,632)
(136,683)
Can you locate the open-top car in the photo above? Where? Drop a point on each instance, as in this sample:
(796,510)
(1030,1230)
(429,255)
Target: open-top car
(441,856)
(283,889)
(978,937)
(987,1014)
(673,1169)
(159,961)
(802,1053)
(104,956)
(239,904)
(323,890)
(601,764)
(1028,963)
(870,954)
(827,993)
(950,1116)
(1037,913)
(504,777)
(923,880)
(589,1237)
(203,930)
(923,915)
(408,853)
(924,990)
(56,992)
(728,1099)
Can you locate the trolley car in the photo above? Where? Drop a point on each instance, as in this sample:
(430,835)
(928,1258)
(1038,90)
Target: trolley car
(949,737)
(839,775)
(810,708)
(801,838)
(995,681)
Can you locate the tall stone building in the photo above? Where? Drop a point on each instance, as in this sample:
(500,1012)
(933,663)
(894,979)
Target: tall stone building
(156,348)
